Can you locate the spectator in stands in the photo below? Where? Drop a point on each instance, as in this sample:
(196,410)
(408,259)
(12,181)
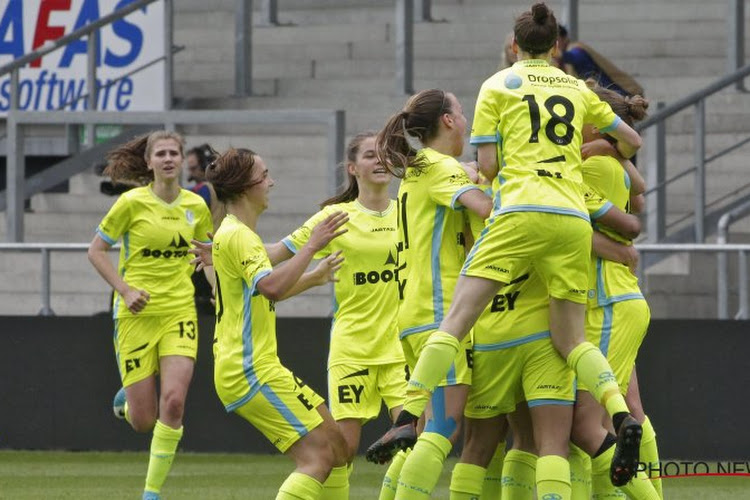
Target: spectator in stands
(580,60)
(156,329)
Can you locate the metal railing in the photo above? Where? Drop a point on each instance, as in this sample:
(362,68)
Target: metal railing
(333,120)
(722,282)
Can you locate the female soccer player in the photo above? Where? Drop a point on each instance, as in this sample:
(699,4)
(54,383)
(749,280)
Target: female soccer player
(531,116)
(419,144)
(155,318)
(250,380)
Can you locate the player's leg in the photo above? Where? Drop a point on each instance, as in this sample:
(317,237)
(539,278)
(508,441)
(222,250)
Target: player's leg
(482,440)
(392,381)
(649,448)
(519,468)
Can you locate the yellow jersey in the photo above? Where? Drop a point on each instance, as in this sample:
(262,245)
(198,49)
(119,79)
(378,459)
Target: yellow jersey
(432,239)
(245,337)
(155,239)
(608,185)
(366,297)
(534,113)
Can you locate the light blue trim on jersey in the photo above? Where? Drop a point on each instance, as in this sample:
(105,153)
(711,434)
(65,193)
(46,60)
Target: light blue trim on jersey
(483,139)
(126,245)
(279,405)
(627,179)
(544,208)
(248,363)
(288,243)
(458,193)
(440,423)
(105,237)
(333,324)
(612,126)
(475,247)
(258,276)
(544,402)
(601,296)
(606,334)
(512,343)
(117,350)
(450,377)
(437,282)
(418,329)
(626,296)
(603,210)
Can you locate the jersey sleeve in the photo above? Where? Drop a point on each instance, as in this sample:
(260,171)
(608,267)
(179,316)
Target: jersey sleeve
(484,129)
(596,204)
(252,258)
(295,241)
(116,222)
(204,224)
(448,181)
(599,113)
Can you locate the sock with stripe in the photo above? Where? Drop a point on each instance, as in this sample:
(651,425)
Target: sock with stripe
(434,362)
(466,482)
(594,372)
(423,466)
(163,447)
(336,487)
(553,477)
(298,486)
(580,473)
(639,488)
(493,478)
(519,475)
(390,480)
(650,455)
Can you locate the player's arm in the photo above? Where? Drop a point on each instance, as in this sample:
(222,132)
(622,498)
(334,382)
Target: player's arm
(278,252)
(279,282)
(135,299)
(609,249)
(637,204)
(637,182)
(487,160)
(628,140)
(477,201)
(324,272)
(629,226)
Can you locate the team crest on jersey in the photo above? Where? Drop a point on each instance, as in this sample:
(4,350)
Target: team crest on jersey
(513,81)
(190,216)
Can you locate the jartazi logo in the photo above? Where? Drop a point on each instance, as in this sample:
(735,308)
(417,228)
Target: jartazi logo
(672,469)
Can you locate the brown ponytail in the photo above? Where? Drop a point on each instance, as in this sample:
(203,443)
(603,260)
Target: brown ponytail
(536,30)
(231,173)
(629,109)
(129,162)
(352,189)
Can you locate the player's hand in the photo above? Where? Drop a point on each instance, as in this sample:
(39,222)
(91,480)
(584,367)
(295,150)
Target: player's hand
(325,271)
(202,252)
(136,300)
(327,229)
(472,170)
(598,147)
(633,259)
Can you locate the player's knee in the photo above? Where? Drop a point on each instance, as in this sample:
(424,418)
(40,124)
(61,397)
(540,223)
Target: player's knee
(172,406)
(142,423)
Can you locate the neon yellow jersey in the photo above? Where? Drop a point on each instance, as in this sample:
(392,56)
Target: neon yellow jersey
(535,112)
(245,335)
(608,185)
(366,297)
(432,239)
(155,239)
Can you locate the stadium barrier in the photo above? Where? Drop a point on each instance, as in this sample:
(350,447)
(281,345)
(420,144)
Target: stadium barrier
(58,377)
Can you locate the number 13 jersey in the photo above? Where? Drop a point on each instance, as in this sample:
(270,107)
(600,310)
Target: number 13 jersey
(534,113)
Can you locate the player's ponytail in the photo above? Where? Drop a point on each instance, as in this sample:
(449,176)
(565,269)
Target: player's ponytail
(129,162)
(352,188)
(536,30)
(406,131)
(231,173)
(630,109)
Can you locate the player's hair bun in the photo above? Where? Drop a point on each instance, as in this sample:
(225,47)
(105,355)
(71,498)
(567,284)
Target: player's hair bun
(637,106)
(539,12)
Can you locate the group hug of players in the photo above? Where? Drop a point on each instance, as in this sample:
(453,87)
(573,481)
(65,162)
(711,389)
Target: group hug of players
(491,297)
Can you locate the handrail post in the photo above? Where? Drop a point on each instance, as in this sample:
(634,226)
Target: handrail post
(243,48)
(736,41)
(405,46)
(46,288)
(571,17)
(15,168)
(423,11)
(722,269)
(168,55)
(744,312)
(91,84)
(336,133)
(656,168)
(700,170)
(270,12)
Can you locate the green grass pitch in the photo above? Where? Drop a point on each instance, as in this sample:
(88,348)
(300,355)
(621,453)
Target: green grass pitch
(84,475)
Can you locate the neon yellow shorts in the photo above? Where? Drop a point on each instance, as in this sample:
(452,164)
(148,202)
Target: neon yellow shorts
(357,391)
(283,408)
(557,246)
(460,370)
(506,373)
(618,330)
(141,340)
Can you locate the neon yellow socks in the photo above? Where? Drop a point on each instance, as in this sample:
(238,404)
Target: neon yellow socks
(336,486)
(596,375)
(163,447)
(390,480)
(466,481)
(553,477)
(519,475)
(493,478)
(650,455)
(434,362)
(298,486)
(580,473)
(423,466)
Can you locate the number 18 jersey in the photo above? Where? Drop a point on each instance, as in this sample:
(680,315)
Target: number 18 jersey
(534,113)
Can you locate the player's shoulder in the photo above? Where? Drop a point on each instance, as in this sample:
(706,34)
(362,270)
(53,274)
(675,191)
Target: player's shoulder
(191,198)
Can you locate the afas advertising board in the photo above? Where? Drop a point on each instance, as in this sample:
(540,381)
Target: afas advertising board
(58,80)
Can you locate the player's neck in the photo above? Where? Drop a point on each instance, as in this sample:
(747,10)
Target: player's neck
(167,190)
(443,144)
(374,198)
(245,211)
